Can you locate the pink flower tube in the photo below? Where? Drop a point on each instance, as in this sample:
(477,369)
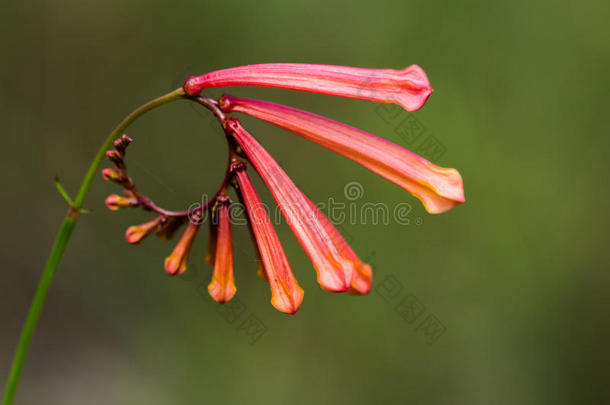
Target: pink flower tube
(438,188)
(335,268)
(408,87)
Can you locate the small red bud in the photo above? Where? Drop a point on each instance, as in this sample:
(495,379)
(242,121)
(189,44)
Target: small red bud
(115,157)
(121,143)
(117,175)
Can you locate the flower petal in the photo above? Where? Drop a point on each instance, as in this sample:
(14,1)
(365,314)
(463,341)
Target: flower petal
(286,294)
(439,189)
(222,288)
(408,87)
(335,270)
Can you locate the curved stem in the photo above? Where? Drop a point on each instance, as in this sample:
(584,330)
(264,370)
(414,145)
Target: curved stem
(62,238)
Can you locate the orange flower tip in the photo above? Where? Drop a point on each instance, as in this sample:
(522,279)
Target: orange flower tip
(174,265)
(176,262)
(220,294)
(136,233)
(362,281)
(439,205)
(288,304)
(115,202)
(443,199)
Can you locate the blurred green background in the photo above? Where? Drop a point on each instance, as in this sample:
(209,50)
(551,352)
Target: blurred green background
(517,276)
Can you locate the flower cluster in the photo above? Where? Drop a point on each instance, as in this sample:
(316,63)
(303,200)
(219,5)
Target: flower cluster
(337,266)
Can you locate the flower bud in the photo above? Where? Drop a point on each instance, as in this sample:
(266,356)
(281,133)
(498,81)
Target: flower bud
(111,174)
(136,233)
(121,143)
(115,201)
(176,262)
(115,157)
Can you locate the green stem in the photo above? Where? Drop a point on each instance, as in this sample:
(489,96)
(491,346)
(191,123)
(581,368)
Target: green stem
(62,238)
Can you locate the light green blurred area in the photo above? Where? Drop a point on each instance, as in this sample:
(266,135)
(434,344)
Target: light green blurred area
(518,275)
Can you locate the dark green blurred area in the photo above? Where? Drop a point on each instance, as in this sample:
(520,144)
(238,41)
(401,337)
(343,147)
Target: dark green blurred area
(518,276)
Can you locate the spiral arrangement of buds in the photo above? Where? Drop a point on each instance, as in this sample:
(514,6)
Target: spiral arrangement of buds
(166,222)
(338,267)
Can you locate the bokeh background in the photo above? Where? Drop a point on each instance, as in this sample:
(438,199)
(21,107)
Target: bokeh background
(517,278)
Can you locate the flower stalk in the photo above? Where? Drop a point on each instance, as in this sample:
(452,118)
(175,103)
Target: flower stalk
(63,237)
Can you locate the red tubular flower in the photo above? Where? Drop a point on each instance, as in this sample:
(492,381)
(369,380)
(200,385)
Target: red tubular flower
(176,262)
(286,294)
(222,288)
(335,270)
(439,189)
(408,87)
